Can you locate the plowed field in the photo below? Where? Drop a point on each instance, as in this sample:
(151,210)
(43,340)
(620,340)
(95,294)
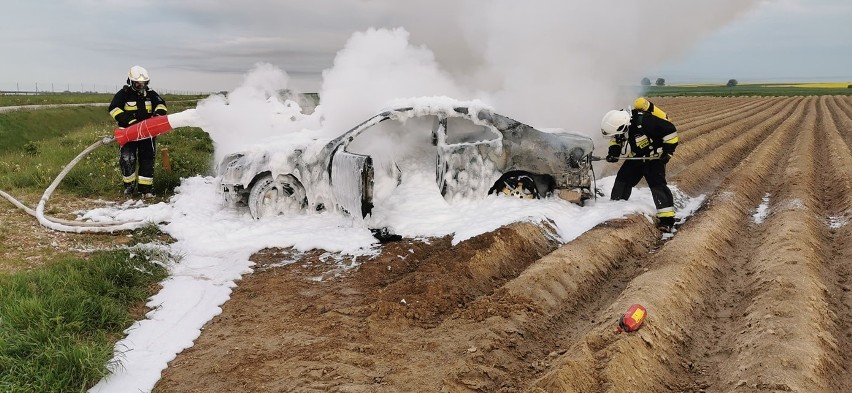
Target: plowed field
(736,301)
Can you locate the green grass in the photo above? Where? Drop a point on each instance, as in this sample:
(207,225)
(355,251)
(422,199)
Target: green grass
(43,142)
(742,90)
(58,324)
(75,98)
(19,128)
(60,321)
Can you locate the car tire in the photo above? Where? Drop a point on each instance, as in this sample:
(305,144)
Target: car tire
(268,198)
(516,184)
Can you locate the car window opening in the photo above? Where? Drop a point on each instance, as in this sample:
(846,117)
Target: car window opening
(461,130)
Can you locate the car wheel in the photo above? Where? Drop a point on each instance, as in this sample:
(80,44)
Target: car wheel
(517,185)
(268,198)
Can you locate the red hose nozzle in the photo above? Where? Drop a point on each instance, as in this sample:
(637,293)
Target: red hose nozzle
(148,128)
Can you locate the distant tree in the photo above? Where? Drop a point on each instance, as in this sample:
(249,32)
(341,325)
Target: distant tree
(660,82)
(645,82)
(849,86)
(732,83)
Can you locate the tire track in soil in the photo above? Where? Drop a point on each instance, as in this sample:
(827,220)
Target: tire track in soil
(673,290)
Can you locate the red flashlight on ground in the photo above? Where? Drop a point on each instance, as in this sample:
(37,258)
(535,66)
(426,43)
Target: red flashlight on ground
(632,320)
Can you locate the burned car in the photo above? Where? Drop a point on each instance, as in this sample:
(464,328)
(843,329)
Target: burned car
(471,150)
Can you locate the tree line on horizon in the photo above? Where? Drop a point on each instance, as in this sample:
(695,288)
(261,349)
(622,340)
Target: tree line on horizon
(662,82)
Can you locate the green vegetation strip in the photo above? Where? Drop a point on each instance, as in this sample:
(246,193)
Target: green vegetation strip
(742,90)
(58,324)
(75,98)
(36,145)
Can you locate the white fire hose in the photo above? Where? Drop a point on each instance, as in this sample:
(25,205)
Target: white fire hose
(142,130)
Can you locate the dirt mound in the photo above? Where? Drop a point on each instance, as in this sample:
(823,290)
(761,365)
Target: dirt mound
(736,301)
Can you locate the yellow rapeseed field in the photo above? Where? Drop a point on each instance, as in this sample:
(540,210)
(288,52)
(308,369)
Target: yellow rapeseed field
(830,85)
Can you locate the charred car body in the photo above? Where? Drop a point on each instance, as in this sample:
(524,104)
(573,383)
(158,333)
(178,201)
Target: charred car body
(472,151)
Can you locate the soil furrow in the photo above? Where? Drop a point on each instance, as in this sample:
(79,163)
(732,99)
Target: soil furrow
(696,123)
(708,160)
(714,338)
(673,291)
(835,194)
(684,111)
(787,317)
(734,304)
(569,287)
(842,112)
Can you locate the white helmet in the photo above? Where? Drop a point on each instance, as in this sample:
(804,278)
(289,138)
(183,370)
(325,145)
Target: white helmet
(138,74)
(138,78)
(615,122)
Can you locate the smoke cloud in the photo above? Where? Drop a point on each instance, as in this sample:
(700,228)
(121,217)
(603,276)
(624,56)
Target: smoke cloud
(560,63)
(552,64)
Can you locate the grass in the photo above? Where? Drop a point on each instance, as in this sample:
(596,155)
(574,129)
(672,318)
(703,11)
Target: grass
(74,98)
(20,128)
(804,89)
(59,320)
(58,324)
(41,146)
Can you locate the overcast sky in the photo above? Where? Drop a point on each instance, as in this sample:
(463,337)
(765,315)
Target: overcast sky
(207,45)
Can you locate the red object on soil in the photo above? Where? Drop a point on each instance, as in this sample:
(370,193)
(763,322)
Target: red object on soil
(145,129)
(632,320)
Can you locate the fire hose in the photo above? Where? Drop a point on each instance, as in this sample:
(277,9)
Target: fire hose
(145,129)
(594,158)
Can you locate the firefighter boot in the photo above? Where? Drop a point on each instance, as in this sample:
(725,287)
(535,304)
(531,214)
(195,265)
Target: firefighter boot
(665,224)
(146,191)
(129,188)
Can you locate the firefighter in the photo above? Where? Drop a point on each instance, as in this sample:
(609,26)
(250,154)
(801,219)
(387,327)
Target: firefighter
(133,103)
(648,134)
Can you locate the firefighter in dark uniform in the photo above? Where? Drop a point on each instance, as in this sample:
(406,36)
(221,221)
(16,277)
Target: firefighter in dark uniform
(650,135)
(133,103)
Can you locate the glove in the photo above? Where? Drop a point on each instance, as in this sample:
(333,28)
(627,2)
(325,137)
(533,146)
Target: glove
(665,157)
(612,153)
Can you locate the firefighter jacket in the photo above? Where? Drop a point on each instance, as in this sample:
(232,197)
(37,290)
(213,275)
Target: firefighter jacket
(650,132)
(129,106)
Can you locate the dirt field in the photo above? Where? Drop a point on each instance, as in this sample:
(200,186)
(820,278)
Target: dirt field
(733,305)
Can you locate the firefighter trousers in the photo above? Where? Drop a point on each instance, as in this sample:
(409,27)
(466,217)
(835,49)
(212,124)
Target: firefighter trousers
(139,152)
(654,172)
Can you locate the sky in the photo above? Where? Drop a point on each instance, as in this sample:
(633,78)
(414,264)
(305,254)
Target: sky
(214,241)
(208,45)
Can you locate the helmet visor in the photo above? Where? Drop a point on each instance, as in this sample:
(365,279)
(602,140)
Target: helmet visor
(137,85)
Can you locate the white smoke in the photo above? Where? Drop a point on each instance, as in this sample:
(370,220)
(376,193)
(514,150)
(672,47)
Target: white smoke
(561,63)
(376,67)
(552,64)
(252,112)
